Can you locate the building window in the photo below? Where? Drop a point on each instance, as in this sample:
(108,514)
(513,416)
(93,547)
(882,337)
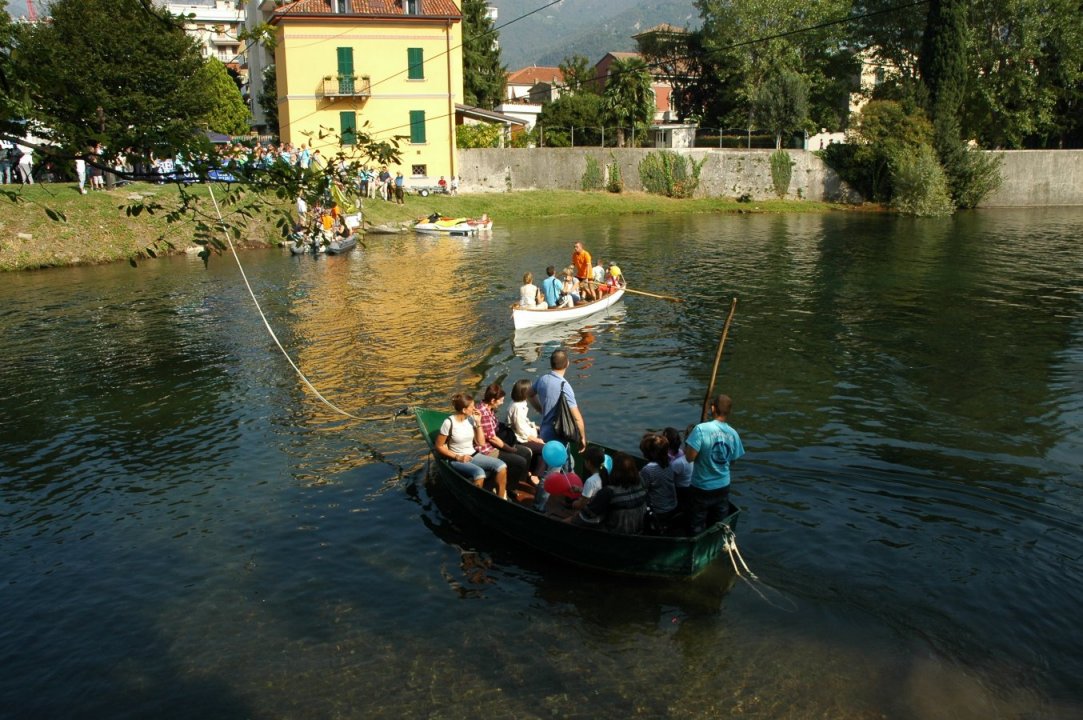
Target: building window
(340,7)
(347,124)
(345,70)
(415,63)
(419,170)
(417,127)
(413,7)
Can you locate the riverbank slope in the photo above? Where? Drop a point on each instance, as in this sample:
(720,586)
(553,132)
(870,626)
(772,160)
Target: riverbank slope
(95,228)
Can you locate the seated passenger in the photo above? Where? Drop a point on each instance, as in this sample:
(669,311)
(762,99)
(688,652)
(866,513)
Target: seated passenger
(570,288)
(553,289)
(529,294)
(455,441)
(516,457)
(682,469)
(597,475)
(526,431)
(598,276)
(613,277)
(621,505)
(657,477)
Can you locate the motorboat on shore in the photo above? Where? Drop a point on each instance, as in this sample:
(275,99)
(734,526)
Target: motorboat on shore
(454,226)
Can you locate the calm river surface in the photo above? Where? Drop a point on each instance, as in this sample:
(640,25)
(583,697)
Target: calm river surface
(185,531)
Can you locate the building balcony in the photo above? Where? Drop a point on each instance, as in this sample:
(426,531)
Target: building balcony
(345,86)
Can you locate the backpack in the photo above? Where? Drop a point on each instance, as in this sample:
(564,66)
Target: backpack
(564,422)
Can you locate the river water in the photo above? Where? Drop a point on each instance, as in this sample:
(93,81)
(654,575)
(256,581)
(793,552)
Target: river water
(186,531)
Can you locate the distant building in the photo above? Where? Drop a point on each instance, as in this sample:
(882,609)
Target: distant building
(216,24)
(387,68)
(520,82)
(660,86)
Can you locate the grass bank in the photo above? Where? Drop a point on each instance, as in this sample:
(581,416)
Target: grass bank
(95,228)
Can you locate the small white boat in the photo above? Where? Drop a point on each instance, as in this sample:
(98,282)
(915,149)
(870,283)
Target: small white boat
(454,226)
(534,317)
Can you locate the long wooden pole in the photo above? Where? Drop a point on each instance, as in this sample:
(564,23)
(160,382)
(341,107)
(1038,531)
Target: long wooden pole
(640,292)
(717,361)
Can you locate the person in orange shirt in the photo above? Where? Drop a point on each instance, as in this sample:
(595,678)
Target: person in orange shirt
(582,263)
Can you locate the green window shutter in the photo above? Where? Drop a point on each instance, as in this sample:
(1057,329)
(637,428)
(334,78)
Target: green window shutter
(415,63)
(417,126)
(347,123)
(345,61)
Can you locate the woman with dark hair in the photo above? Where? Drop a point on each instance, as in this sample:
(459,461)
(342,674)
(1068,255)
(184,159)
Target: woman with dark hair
(518,419)
(622,503)
(516,457)
(458,440)
(657,477)
(682,469)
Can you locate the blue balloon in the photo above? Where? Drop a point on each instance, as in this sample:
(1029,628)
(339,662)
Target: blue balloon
(555,454)
(608,462)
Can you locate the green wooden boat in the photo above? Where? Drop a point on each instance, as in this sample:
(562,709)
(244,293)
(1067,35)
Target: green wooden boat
(636,555)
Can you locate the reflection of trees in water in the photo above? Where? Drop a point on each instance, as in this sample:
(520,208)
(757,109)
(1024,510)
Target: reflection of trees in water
(385,326)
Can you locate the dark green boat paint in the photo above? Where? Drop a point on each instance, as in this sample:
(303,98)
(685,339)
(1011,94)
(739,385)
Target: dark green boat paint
(637,555)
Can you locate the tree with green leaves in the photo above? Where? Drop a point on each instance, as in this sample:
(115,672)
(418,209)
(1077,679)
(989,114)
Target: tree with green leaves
(484,77)
(780,104)
(268,98)
(578,74)
(628,99)
(229,114)
(119,72)
(582,111)
(754,39)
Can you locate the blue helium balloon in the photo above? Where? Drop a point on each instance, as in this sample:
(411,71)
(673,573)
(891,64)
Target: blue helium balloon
(608,462)
(555,454)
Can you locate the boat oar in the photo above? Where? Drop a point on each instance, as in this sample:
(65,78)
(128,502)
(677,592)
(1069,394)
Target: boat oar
(640,292)
(717,359)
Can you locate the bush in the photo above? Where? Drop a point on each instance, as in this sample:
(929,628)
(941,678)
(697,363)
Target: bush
(592,177)
(667,173)
(615,183)
(979,176)
(921,187)
(781,172)
(478,136)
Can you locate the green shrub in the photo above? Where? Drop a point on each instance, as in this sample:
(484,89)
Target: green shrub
(477,136)
(920,185)
(615,182)
(670,174)
(781,172)
(978,176)
(592,177)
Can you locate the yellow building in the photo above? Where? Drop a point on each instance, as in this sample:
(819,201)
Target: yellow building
(383,67)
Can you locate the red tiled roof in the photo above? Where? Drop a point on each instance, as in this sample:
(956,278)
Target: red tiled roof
(429,8)
(534,74)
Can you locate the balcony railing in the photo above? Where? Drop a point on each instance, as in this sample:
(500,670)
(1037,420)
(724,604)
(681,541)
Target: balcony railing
(346,86)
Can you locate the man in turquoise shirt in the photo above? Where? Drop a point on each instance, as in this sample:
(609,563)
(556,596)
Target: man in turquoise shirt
(711,446)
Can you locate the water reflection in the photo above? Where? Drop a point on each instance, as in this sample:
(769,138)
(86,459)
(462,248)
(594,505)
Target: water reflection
(537,343)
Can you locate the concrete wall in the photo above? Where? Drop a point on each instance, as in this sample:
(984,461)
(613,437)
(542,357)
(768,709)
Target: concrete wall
(1039,178)
(1031,178)
(726,173)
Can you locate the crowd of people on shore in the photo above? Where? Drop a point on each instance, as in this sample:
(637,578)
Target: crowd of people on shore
(682,487)
(584,281)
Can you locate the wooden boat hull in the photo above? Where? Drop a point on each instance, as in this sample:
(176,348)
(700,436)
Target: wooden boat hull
(535,318)
(635,555)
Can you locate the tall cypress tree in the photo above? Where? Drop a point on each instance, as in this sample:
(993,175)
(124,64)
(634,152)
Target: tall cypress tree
(943,69)
(484,77)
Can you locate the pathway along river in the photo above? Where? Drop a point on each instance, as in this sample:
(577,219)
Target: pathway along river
(186,532)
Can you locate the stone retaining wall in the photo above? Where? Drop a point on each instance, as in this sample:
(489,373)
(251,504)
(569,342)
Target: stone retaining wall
(1032,178)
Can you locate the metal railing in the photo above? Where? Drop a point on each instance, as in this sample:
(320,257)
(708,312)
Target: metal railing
(346,86)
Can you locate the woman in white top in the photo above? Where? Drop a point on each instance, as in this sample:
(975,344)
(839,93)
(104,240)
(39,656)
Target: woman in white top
(518,419)
(529,294)
(455,441)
